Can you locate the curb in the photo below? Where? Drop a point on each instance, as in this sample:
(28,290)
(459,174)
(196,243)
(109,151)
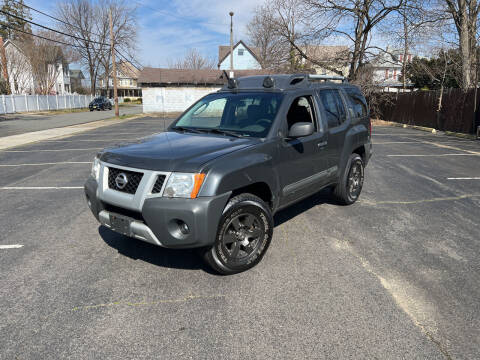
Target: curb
(8,142)
(430,130)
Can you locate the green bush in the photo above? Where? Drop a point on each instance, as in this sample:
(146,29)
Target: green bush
(139,100)
(126,100)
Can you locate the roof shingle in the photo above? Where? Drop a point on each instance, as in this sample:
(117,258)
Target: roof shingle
(158,76)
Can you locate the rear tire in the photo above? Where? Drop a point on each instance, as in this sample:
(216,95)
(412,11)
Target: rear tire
(348,190)
(243,236)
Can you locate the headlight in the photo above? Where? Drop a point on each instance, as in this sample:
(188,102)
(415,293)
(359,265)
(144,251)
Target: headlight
(95,168)
(184,185)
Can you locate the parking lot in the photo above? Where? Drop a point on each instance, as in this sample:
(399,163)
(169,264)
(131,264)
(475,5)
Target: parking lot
(394,276)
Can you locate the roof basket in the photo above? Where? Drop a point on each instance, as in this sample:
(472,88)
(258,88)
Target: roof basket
(327,78)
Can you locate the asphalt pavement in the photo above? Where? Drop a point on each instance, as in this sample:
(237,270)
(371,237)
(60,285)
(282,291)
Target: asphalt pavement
(394,276)
(14,124)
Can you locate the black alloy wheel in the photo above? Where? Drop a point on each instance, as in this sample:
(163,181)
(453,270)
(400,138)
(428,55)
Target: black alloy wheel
(241,236)
(244,234)
(348,190)
(355,179)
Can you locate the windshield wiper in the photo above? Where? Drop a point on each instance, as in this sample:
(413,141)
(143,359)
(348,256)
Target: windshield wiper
(223,132)
(181,128)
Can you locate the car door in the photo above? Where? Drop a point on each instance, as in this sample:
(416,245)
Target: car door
(337,122)
(300,159)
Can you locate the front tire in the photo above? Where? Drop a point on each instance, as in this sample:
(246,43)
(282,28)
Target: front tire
(244,233)
(348,190)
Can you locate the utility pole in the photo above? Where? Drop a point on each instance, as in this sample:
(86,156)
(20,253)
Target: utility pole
(231,40)
(114,65)
(4,65)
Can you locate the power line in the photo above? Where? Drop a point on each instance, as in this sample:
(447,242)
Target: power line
(50,29)
(42,37)
(54,18)
(131,60)
(68,24)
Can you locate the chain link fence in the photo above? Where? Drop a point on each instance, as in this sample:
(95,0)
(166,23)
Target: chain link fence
(10,104)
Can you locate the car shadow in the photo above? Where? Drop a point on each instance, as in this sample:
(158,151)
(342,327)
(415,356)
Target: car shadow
(189,259)
(135,249)
(322,197)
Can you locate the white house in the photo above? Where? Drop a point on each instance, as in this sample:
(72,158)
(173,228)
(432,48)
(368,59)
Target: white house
(21,76)
(244,57)
(387,68)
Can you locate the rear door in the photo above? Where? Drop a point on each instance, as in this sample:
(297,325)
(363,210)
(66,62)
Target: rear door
(301,160)
(338,122)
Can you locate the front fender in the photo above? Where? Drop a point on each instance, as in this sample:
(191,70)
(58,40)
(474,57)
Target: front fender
(241,169)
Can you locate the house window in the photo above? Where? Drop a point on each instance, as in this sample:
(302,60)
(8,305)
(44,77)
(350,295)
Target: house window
(401,58)
(395,74)
(386,73)
(240,52)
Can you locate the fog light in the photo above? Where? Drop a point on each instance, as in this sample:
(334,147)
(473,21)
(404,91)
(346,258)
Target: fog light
(184,228)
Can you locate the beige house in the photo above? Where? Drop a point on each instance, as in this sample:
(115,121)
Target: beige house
(335,57)
(127,77)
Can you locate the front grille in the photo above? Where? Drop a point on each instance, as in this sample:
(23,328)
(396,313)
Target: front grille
(157,187)
(133,180)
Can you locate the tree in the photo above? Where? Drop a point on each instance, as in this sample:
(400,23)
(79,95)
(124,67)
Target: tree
(353,20)
(465,15)
(408,26)
(124,33)
(87,20)
(263,34)
(193,59)
(437,73)
(20,12)
(441,71)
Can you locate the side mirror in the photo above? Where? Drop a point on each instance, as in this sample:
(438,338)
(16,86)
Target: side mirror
(301,129)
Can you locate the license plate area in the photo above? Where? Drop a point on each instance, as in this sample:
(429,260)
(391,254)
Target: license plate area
(120,223)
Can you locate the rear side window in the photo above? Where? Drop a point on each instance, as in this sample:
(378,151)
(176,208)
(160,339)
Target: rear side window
(333,105)
(357,104)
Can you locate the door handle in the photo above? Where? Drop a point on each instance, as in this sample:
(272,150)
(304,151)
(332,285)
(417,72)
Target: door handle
(322,144)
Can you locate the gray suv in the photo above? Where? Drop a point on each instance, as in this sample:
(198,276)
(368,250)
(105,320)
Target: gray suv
(216,176)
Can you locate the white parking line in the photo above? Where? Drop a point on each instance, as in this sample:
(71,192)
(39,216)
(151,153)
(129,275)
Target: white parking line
(431,155)
(40,187)
(464,178)
(15,246)
(397,142)
(46,150)
(97,140)
(50,163)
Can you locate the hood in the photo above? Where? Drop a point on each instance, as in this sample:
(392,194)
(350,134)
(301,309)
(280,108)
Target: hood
(173,151)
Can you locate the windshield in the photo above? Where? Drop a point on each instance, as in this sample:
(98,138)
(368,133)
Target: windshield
(246,114)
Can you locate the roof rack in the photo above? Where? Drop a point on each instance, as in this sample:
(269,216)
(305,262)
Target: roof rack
(327,77)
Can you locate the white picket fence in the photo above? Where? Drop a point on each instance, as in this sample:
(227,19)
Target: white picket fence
(23,103)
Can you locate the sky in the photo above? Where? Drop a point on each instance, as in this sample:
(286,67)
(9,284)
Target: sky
(168,29)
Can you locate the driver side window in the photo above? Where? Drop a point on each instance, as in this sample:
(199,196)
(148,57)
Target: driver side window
(301,110)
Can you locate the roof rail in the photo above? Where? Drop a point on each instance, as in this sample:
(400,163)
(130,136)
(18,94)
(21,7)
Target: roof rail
(327,77)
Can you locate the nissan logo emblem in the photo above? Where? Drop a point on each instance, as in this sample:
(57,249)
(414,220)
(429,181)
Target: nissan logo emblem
(121,181)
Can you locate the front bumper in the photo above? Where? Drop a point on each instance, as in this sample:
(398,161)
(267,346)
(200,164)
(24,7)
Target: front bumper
(161,219)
